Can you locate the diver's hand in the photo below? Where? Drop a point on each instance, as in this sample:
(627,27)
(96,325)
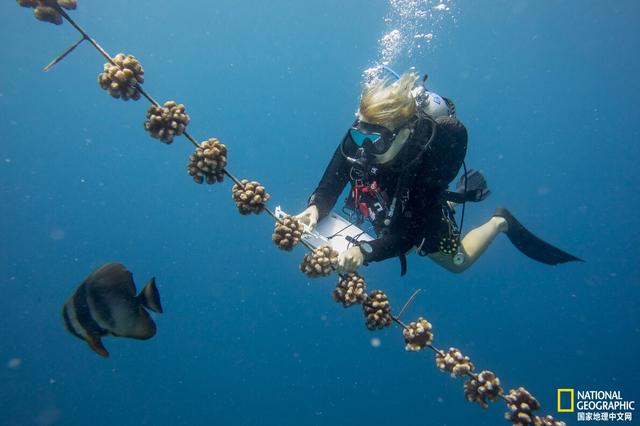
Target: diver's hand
(309,217)
(350,260)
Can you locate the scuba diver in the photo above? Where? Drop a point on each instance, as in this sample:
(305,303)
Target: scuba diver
(400,155)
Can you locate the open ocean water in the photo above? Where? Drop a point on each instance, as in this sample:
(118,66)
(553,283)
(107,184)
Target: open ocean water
(549,93)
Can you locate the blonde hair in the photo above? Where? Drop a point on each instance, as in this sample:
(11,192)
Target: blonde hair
(389,103)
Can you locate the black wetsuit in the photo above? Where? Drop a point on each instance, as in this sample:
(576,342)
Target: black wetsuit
(422,211)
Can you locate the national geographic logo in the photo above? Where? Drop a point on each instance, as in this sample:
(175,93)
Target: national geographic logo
(563,406)
(596,405)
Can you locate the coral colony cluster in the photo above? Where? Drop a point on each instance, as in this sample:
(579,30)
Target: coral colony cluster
(123,77)
(208,162)
(320,262)
(167,121)
(350,290)
(287,233)
(48,10)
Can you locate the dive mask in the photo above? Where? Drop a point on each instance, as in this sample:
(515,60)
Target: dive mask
(375,139)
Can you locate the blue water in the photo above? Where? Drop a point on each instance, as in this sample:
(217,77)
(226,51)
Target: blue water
(549,93)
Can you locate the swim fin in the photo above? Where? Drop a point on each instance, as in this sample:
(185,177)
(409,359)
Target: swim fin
(530,245)
(475,188)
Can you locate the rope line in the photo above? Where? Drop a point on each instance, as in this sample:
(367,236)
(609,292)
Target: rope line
(147,95)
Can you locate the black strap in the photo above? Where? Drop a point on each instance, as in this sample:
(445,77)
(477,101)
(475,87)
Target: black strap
(401,185)
(458,198)
(411,158)
(403,265)
(454,197)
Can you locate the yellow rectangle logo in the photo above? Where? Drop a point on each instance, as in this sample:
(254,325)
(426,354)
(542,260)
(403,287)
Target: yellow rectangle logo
(565,409)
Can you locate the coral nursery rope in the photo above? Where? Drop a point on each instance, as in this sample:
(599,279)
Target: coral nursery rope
(251,198)
(108,57)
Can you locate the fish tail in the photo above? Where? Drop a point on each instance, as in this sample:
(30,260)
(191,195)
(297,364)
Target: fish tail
(149,297)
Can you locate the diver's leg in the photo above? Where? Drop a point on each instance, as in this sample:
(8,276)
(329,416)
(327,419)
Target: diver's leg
(473,245)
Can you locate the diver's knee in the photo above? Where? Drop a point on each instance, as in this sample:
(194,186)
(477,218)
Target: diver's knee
(458,268)
(455,267)
(450,263)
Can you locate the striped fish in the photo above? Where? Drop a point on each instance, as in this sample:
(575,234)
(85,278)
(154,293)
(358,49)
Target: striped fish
(106,304)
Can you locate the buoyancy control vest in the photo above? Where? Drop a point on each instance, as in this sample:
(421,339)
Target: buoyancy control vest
(376,197)
(377,191)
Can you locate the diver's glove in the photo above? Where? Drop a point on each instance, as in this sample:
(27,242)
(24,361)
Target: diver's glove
(309,217)
(350,260)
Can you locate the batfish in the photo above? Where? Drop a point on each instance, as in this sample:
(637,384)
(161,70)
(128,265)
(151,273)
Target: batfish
(106,304)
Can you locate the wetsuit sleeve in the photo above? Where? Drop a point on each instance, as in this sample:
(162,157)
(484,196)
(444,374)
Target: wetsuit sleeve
(394,243)
(333,181)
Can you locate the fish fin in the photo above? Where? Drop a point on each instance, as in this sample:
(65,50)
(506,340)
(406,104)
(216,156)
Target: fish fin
(144,328)
(95,343)
(149,297)
(111,277)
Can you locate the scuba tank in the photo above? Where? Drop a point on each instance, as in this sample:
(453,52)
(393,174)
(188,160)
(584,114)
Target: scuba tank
(432,106)
(429,104)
